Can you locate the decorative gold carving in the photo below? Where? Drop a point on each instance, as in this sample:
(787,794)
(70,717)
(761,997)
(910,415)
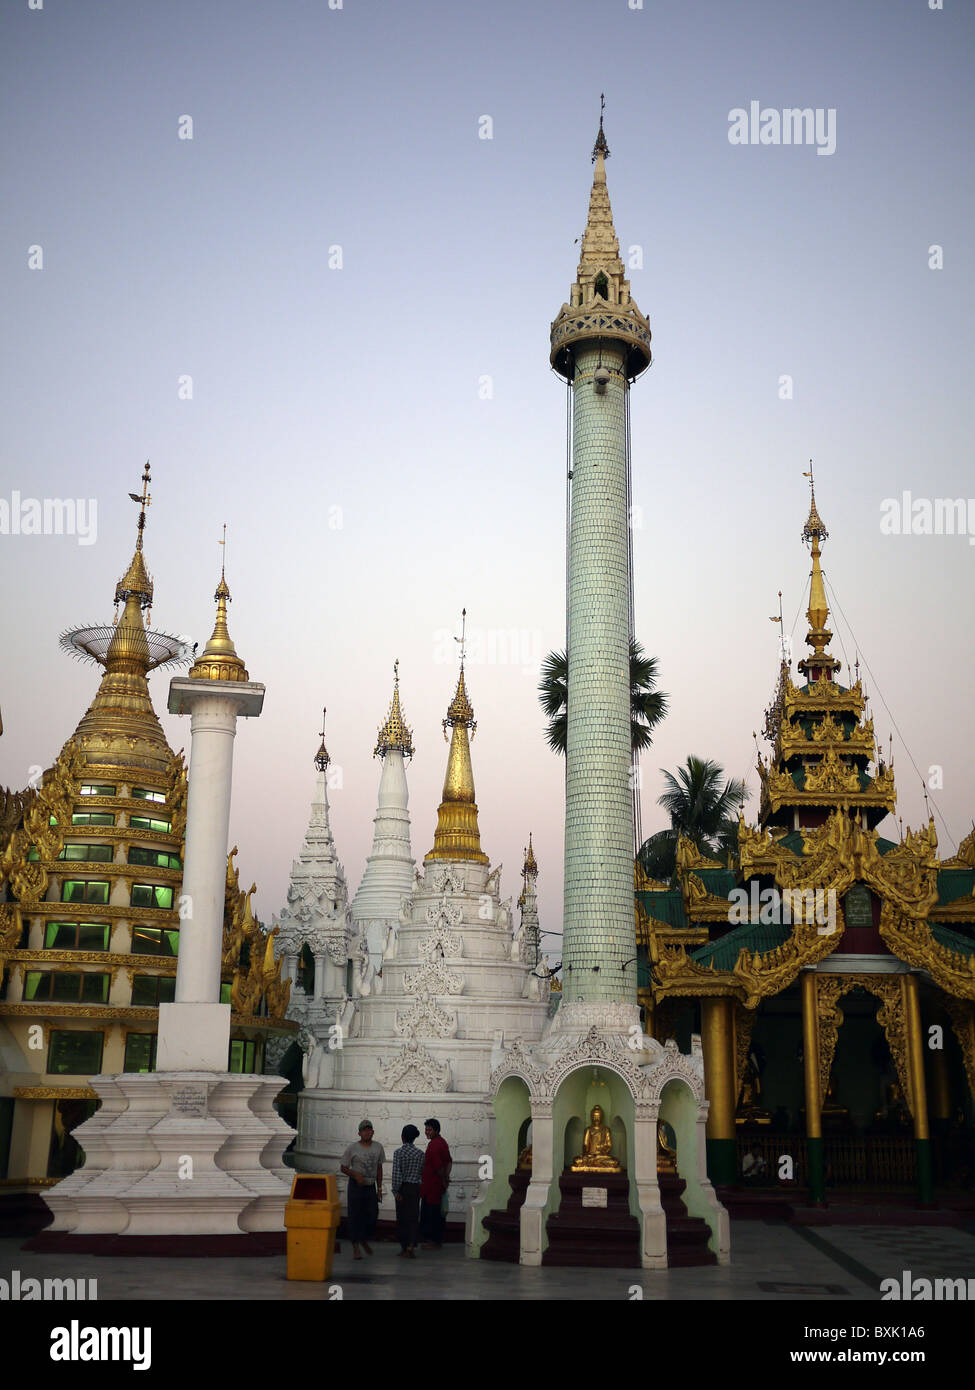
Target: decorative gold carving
(45,1010)
(962,1017)
(162,965)
(891,1016)
(822,694)
(912,940)
(54,1093)
(965,858)
(260,979)
(56,797)
(744,1023)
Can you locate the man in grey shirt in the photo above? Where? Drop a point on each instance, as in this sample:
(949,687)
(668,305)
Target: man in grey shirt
(362,1163)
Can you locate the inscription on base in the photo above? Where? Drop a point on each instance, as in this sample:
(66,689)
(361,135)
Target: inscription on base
(190,1100)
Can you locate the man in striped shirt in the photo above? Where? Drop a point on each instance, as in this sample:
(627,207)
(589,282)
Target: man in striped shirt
(407,1169)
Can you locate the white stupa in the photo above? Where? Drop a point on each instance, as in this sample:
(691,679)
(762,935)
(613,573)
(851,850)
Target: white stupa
(317,916)
(389,869)
(456,984)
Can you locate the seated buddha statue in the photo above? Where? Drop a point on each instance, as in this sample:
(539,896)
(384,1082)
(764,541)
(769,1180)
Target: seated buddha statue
(597,1144)
(525,1159)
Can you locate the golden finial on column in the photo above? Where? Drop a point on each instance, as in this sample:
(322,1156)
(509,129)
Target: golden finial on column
(219,660)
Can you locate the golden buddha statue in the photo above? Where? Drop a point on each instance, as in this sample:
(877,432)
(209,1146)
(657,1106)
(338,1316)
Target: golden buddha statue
(525,1159)
(597,1144)
(666,1151)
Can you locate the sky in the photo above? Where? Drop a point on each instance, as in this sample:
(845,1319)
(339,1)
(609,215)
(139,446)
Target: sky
(305,259)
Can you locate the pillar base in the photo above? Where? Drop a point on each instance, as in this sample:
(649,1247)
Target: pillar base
(722,1162)
(177,1154)
(817,1180)
(925,1172)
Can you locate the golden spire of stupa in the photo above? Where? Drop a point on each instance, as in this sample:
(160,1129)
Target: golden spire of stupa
(393,733)
(531,867)
(457,835)
(818,637)
(135,583)
(120,726)
(219,660)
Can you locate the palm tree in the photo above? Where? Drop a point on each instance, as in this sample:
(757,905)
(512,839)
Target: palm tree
(701,809)
(647,704)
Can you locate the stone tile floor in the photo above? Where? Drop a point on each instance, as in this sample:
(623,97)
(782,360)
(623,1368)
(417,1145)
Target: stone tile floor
(773,1261)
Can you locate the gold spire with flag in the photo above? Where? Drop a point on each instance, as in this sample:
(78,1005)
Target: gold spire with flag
(819,636)
(219,660)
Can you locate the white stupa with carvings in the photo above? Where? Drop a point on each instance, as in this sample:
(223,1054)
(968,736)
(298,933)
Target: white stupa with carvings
(317,917)
(457,983)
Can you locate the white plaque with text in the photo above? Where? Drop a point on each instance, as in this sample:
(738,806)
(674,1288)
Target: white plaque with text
(594,1196)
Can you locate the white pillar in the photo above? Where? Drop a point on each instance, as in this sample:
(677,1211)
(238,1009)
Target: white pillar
(213,725)
(194,1032)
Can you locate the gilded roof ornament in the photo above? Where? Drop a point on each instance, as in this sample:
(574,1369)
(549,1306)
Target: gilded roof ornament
(394,733)
(136,581)
(814,522)
(818,637)
(531,867)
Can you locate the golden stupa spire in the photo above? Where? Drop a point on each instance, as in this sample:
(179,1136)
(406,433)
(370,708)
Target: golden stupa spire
(393,732)
(818,637)
(322,759)
(531,867)
(120,726)
(457,835)
(219,660)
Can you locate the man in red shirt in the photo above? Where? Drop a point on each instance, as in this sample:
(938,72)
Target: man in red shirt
(437,1164)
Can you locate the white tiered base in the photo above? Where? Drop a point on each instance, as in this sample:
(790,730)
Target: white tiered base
(178,1153)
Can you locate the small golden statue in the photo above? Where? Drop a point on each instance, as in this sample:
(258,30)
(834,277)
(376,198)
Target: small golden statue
(525,1160)
(596,1156)
(666,1151)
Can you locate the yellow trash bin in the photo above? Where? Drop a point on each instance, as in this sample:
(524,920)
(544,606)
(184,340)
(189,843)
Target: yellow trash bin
(311,1218)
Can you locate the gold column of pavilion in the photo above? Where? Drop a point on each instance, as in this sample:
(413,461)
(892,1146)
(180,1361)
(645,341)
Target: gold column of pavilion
(457,835)
(718,1045)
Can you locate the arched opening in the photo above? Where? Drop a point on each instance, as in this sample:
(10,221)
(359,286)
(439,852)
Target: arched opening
(306,970)
(601,285)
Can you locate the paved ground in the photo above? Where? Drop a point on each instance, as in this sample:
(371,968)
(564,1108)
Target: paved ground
(769,1262)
